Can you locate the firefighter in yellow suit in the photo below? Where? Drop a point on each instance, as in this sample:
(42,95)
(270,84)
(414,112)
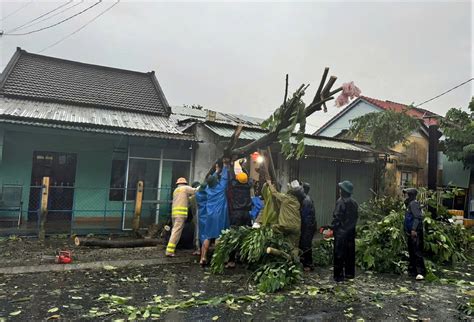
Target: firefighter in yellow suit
(179,213)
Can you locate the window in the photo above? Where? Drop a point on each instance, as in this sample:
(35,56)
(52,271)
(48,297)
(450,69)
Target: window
(117,180)
(406,179)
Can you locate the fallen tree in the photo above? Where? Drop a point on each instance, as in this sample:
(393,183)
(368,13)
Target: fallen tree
(267,254)
(283,122)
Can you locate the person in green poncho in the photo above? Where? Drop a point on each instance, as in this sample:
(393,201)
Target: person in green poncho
(287,207)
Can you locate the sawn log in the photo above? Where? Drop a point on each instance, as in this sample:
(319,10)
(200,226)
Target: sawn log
(92,242)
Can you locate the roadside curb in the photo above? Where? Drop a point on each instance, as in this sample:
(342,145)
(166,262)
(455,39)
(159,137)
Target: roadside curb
(93,265)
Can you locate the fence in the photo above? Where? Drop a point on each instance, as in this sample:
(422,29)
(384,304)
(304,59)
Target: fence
(80,210)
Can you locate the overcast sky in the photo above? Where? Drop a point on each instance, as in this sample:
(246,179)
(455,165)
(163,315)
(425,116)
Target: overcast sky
(233,57)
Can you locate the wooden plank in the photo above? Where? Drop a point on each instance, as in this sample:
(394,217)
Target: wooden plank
(43,208)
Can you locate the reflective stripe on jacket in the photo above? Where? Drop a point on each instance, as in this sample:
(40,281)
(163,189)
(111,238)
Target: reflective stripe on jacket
(180,201)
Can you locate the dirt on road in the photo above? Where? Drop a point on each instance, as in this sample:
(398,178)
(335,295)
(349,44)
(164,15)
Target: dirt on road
(188,292)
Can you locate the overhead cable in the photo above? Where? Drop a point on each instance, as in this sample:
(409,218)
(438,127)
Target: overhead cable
(51,16)
(57,23)
(37,18)
(17,10)
(79,29)
(449,90)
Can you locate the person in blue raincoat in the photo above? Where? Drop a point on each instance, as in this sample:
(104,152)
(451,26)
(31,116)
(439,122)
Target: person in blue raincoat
(201,200)
(217,212)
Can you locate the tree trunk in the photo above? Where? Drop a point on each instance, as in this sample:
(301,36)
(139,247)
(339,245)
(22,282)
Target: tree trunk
(43,208)
(277,252)
(138,208)
(79,241)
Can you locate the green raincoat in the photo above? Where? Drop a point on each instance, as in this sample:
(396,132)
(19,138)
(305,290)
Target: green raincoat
(283,214)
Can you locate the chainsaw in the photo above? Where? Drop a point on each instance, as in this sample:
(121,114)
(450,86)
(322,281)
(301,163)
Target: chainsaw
(63,257)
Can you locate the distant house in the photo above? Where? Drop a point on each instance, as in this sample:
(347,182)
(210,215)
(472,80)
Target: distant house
(408,165)
(95,131)
(327,160)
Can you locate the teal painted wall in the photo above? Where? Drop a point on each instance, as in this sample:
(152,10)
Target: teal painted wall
(454,172)
(94,153)
(93,169)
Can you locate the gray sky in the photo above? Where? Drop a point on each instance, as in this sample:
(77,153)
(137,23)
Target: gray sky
(233,57)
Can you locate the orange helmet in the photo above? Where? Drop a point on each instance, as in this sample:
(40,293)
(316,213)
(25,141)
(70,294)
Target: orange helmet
(181,181)
(242,177)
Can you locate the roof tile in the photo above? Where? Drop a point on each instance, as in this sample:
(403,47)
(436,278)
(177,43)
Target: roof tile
(57,80)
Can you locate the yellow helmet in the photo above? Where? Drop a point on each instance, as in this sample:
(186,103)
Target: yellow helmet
(242,177)
(182,181)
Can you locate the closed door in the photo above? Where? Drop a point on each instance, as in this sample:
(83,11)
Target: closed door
(61,170)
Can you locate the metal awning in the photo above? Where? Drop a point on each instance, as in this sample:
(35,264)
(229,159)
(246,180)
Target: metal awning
(310,141)
(88,119)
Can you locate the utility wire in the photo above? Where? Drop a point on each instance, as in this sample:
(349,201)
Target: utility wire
(17,10)
(37,18)
(47,18)
(449,90)
(57,23)
(79,29)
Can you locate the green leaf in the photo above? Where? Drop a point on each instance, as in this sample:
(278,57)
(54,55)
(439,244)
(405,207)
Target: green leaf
(54,317)
(15,313)
(54,309)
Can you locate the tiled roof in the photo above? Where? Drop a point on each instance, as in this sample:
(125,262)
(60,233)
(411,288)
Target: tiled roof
(82,118)
(416,112)
(51,79)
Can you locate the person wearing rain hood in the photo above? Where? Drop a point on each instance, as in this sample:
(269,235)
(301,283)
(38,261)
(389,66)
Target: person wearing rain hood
(217,213)
(413,225)
(344,226)
(289,218)
(308,227)
(240,204)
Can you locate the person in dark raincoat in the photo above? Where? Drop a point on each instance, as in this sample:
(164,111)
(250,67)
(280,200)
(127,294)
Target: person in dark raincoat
(240,204)
(413,225)
(308,227)
(344,226)
(217,212)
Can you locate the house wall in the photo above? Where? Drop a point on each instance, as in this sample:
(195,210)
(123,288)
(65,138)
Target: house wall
(207,150)
(321,174)
(93,168)
(415,149)
(324,174)
(413,160)
(92,209)
(343,122)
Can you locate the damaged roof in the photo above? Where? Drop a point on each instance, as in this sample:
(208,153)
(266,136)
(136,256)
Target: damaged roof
(190,115)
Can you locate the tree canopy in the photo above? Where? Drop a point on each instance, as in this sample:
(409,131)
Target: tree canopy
(383,129)
(458,128)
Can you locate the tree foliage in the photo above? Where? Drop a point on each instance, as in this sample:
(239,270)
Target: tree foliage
(271,273)
(383,129)
(294,109)
(381,245)
(458,127)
